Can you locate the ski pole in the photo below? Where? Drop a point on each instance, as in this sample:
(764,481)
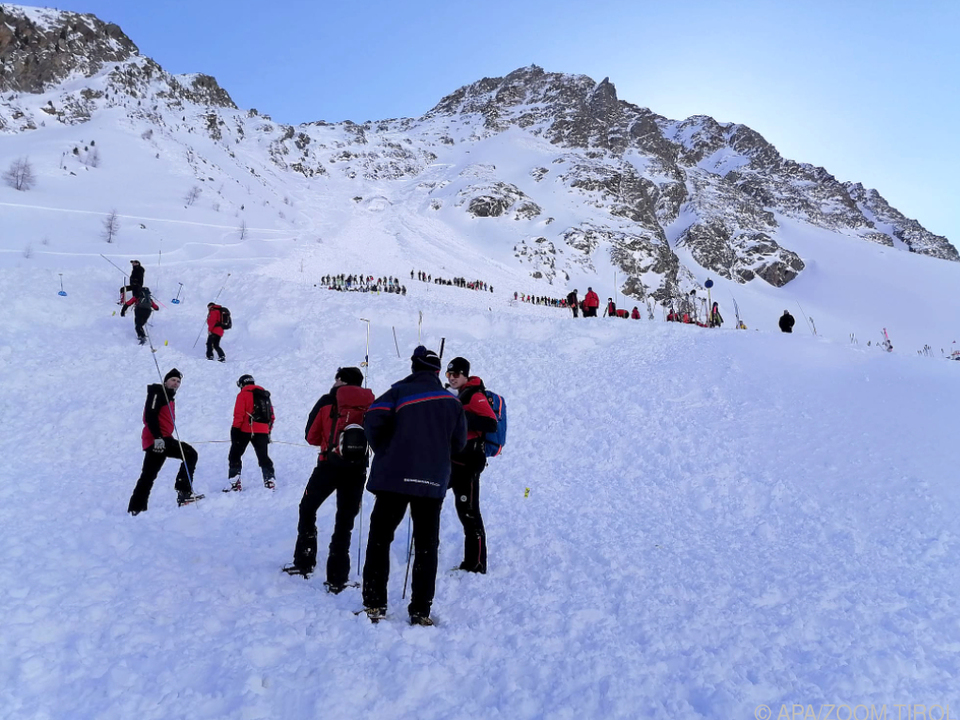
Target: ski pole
(395,344)
(366,357)
(62,293)
(420,329)
(442,342)
(805,317)
(409,555)
(124,272)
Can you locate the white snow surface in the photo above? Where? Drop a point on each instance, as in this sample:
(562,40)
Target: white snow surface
(685,523)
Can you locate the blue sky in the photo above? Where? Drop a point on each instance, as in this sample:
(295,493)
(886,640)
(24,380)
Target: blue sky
(869,89)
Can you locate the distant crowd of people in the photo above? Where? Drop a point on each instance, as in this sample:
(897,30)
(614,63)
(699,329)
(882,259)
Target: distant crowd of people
(541,300)
(459,282)
(363,283)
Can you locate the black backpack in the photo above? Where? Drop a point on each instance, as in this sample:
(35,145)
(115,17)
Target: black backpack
(262,407)
(351,445)
(226,322)
(144,300)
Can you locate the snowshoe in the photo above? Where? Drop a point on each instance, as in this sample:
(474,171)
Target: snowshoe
(336,589)
(234,487)
(187,498)
(294,569)
(422,620)
(374,614)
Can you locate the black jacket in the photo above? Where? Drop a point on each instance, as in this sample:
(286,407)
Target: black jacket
(413,429)
(786,322)
(136,276)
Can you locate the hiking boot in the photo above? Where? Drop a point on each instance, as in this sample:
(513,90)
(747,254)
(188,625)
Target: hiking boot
(471,567)
(305,553)
(187,497)
(268,483)
(422,620)
(375,614)
(334,588)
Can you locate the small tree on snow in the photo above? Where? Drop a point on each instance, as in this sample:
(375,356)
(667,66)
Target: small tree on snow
(111,226)
(243,230)
(20,175)
(192,195)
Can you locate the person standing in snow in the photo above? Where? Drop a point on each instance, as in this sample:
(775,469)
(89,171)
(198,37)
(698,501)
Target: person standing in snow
(214,332)
(716,320)
(253,420)
(412,429)
(136,280)
(144,307)
(468,464)
(159,420)
(572,302)
(786,322)
(591,301)
(335,426)
(635,315)
(611,310)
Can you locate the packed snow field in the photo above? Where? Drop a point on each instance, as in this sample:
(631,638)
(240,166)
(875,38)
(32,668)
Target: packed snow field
(684,523)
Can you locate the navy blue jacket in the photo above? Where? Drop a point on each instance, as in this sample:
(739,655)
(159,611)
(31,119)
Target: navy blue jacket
(412,429)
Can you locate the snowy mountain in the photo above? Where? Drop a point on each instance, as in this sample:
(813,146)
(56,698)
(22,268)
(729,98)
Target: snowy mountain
(566,179)
(685,523)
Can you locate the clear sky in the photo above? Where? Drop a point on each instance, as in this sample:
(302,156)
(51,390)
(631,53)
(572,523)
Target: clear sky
(869,89)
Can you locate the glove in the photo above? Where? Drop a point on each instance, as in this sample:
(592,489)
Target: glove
(269,438)
(158,445)
(123,311)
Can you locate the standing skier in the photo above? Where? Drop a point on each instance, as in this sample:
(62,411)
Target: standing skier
(144,307)
(591,301)
(786,322)
(136,280)
(335,425)
(716,320)
(412,428)
(159,422)
(468,464)
(214,331)
(253,420)
(572,301)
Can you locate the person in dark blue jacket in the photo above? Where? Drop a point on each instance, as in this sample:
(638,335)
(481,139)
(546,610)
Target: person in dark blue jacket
(413,429)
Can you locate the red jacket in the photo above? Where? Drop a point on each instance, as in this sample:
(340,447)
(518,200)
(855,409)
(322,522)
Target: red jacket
(635,314)
(352,402)
(591,300)
(478,407)
(213,321)
(243,412)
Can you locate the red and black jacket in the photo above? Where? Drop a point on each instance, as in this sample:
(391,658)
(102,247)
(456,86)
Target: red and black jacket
(480,420)
(352,403)
(158,415)
(243,412)
(591,300)
(213,321)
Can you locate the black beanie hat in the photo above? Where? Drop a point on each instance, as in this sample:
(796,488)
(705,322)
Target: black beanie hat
(244,380)
(423,359)
(459,365)
(350,376)
(173,373)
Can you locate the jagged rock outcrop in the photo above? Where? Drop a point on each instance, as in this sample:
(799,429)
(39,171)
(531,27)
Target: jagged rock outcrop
(40,48)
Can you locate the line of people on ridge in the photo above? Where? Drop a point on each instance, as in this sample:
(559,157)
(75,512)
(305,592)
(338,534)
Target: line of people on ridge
(143,304)
(424,441)
(541,300)
(363,283)
(459,282)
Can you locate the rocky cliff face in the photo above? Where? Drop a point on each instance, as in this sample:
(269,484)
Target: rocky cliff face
(649,190)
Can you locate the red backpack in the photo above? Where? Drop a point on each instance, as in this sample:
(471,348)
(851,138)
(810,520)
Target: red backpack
(346,437)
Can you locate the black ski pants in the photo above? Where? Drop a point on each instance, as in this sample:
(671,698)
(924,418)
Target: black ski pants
(140,317)
(238,445)
(575,312)
(348,482)
(213,343)
(388,512)
(465,484)
(153,461)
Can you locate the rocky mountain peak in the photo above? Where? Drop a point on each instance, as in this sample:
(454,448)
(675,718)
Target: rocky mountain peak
(40,47)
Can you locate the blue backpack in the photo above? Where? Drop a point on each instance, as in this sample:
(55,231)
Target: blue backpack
(493,442)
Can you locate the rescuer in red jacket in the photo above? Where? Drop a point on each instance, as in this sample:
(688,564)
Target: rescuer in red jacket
(253,419)
(591,301)
(214,332)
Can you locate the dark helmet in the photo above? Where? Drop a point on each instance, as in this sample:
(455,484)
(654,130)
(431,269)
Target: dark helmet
(245,380)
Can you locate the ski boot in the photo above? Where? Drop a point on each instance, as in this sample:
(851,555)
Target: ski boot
(268,480)
(234,486)
(304,556)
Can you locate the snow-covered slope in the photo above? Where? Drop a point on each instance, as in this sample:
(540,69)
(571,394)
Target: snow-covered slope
(685,522)
(715,519)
